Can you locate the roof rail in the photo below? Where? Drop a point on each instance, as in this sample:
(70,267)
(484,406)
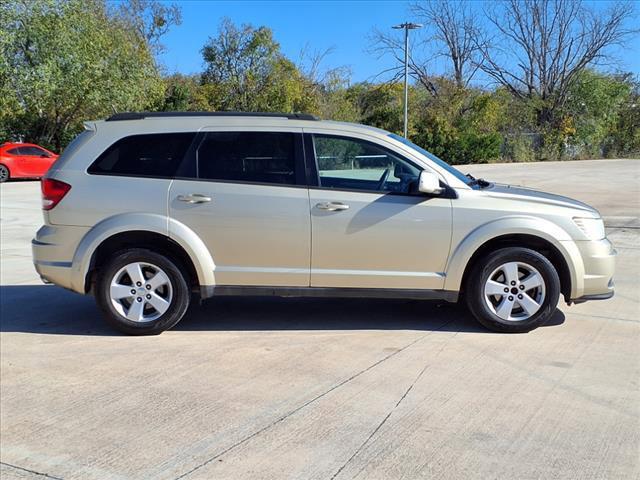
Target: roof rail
(140,115)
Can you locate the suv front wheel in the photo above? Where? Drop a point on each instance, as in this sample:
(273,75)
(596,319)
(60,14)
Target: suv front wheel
(142,292)
(513,290)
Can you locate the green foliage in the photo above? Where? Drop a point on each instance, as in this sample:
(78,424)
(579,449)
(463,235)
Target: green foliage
(460,124)
(334,97)
(592,111)
(183,93)
(624,134)
(381,106)
(245,71)
(69,61)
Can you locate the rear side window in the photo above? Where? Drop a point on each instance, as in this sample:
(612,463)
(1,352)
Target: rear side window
(154,155)
(14,151)
(258,157)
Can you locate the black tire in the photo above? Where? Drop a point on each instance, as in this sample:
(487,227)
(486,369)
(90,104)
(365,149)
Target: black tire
(475,298)
(180,294)
(5,175)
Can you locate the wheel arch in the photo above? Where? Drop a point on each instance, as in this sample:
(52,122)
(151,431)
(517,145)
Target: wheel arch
(537,234)
(142,230)
(153,241)
(532,242)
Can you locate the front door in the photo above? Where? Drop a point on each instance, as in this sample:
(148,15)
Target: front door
(245,195)
(35,161)
(370,228)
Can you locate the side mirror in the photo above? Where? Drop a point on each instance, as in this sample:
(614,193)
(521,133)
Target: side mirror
(429,183)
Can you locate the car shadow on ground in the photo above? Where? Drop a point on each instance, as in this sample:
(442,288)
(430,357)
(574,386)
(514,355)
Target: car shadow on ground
(21,180)
(46,309)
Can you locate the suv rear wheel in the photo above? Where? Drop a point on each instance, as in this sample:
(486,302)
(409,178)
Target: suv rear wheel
(513,290)
(142,292)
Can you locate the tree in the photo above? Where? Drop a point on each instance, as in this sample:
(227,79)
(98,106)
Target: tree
(542,45)
(451,32)
(70,61)
(151,19)
(246,71)
(594,106)
(454,29)
(381,106)
(183,93)
(460,124)
(326,88)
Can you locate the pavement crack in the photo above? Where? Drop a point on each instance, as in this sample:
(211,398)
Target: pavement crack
(16,467)
(309,402)
(384,420)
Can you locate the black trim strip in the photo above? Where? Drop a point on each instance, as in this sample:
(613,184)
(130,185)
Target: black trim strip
(328,292)
(599,296)
(142,115)
(448,192)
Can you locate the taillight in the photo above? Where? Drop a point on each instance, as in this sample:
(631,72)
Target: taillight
(52,192)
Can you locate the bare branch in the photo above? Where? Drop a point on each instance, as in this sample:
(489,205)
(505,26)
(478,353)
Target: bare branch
(455,30)
(550,42)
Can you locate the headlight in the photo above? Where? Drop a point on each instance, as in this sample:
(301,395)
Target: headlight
(593,228)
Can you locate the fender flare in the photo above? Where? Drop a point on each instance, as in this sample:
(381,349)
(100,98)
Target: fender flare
(190,242)
(534,226)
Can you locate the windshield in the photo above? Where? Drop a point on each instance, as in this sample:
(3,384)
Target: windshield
(453,171)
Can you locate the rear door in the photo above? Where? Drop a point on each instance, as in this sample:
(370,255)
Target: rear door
(244,192)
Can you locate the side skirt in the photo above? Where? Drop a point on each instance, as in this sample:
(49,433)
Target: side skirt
(327,292)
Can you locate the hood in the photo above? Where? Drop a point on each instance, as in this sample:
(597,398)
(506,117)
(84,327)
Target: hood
(535,196)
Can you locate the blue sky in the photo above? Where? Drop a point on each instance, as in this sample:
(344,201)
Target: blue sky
(341,25)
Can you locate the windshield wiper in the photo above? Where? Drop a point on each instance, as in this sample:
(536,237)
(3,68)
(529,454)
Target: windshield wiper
(481,182)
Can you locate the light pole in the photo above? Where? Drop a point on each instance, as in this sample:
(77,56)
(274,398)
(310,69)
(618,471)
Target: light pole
(406,26)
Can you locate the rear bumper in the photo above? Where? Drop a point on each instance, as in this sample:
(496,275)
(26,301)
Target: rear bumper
(54,272)
(52,250)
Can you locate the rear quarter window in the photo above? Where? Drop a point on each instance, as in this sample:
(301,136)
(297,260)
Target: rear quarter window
(254,157)
(152,155)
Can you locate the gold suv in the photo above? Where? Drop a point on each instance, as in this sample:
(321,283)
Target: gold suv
(143,209)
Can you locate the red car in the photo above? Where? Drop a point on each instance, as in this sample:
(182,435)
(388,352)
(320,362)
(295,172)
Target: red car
(24,160)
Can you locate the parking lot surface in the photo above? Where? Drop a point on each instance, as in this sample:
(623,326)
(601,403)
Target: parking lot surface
(311,388)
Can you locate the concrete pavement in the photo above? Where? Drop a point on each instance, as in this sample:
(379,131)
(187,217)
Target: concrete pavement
(312,388)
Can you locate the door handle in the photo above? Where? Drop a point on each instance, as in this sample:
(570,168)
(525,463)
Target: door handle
(332,206)
(194,198)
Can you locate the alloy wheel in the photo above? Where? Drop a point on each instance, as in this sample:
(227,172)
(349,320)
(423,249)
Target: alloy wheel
(514,291)
(141,292)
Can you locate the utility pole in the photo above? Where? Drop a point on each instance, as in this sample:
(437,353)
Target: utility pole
(406,26)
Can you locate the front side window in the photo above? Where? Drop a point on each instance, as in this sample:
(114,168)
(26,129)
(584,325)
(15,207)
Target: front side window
(453,171)
(33,151)
(254,157)
(353,164)
(154,155)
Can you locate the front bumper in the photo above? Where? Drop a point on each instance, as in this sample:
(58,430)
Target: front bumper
(601,296)
(599,260)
